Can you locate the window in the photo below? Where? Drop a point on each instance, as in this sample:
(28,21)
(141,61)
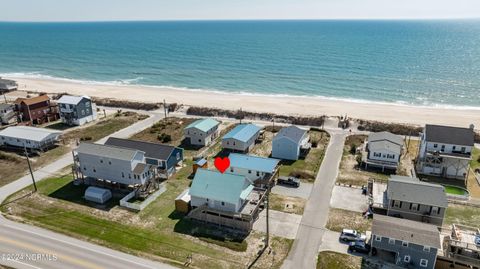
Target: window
(397,203)
(406,258)
(435,209)
(423,262)
(454,148)
(435,145)
(178,156)
(426,249)
(109,162)
(231,170)
(414,207)
(258,173)
(464,149)
(391,241)
(223,203)
(249,171)
(443,147)
(378,238)
(404,243)
(129,176)
(101,161)
(85,168)
(123,175)
(94,170)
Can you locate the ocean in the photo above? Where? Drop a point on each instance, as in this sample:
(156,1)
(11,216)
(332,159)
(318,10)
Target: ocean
(424,63)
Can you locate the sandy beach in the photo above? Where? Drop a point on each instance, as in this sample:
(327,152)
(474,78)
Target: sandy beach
(306,106)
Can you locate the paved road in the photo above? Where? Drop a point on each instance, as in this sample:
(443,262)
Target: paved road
(70,252)
(312,227)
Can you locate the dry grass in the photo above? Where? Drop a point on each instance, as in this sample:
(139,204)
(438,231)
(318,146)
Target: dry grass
(339,219)
(333,260)
(461,214)
(287,204)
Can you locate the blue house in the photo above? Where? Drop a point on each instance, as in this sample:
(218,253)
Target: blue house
(241,138)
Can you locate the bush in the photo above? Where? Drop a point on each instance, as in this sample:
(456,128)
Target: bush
(165,138)
(302,174)
(86,138)
(353,149)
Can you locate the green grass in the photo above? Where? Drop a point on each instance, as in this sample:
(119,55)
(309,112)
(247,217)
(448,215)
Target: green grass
(475,162)
(333,260)
(460,214)
(455,190)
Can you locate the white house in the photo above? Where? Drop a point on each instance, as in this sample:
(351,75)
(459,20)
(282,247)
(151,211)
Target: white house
(29,137)
(224,192)
(258,170)
(116,164)
(7,114)
(76,110)
(445,151)
(289,142)
(202,132)
(382,149)
(241,138)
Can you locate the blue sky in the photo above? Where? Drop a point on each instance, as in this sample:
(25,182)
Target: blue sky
(107,10)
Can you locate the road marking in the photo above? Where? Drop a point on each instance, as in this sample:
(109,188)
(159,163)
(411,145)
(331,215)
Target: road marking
(82,263)
(82,247)
(22,263)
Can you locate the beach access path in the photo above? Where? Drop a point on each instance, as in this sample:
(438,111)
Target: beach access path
(64,251)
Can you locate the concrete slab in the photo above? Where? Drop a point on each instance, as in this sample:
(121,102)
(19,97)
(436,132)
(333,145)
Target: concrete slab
(303,191)
(349,199)
(281,224)
(331,242)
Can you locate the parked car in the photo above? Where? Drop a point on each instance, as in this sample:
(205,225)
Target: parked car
(290,181)
(352,235)
(359,246)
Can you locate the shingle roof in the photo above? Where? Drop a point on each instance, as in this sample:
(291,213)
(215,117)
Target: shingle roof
(449,135)
(415,191)
(291,132)
(33,100)
(385,136)
(152,150)
(72,100)
(242,132)
(5,106)
(203,124)
(106,151)
(29,133)
(220,187)
(406,230)
(251,162)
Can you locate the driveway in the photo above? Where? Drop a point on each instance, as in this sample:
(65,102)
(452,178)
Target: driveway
(303,191)
(331,242)
(349,199)
(281,224)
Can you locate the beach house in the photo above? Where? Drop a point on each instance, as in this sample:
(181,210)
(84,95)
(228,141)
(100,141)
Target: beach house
(115,164)
(7,85)
(165,158)
(382,150)
(36,110)
(76,110)
(202,132)
(224,199)
(412,199)
(445,151)
(405,243)
(259,170)
(30,137)
(461,247)
(289,143)
(7,114)
(241,138)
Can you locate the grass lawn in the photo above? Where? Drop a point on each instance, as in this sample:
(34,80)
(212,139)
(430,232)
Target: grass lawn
(472,183)
(461,214)
(307,168)
(158,232)
(334,260)
(475,163)
(287,204)
(13,166)
(339,219)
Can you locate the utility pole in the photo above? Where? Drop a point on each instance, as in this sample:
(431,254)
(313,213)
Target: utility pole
(5,97)
(273,125)
(165,108)
(30,167)
(267,243)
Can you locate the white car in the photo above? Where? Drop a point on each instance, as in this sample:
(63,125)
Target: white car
(352,235)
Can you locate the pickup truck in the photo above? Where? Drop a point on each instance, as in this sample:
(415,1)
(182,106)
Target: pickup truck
(290,181)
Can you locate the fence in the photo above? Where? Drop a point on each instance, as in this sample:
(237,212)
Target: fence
(140,206)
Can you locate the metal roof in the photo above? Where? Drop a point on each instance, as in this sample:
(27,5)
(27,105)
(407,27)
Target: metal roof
(29,133)
(5,106)
(243,132)
(406,230)
(252,162)
(152,150)
(449,135)
(380,136)
(106,151)
(72,100)
(291,132)
(220,187)
(33,100)
(413,190)
(203,124)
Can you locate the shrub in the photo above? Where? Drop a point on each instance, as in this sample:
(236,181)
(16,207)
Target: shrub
(353,149)
(86,138)
(165,138)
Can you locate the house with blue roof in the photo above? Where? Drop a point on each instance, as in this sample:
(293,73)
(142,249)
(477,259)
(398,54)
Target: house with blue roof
(259,170)
(202,132)
(241,138)
(223,192)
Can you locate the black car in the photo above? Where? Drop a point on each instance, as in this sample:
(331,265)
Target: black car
(290,181)
(359,246)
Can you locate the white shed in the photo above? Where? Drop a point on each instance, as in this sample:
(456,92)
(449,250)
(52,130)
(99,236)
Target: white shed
(97,195)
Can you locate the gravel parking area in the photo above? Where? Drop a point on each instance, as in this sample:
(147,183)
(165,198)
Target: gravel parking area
(349,199)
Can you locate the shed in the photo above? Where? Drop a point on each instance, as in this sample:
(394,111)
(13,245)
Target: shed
(182,202)
(201,163)
(97,195)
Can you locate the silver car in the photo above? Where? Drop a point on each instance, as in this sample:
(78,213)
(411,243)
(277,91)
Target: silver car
(348,235)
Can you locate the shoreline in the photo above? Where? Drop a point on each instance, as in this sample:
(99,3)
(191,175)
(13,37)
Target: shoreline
(288,105)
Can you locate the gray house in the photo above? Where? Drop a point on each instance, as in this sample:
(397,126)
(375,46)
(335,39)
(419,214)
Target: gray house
(7,114)
(7,85)
(76,110)
(165,158)
(416,200)
(405,243)
(202,132)
(383,150)
(29,137)
(289,143)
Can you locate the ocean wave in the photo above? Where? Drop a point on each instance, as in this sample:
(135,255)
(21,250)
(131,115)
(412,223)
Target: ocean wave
(134,82)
